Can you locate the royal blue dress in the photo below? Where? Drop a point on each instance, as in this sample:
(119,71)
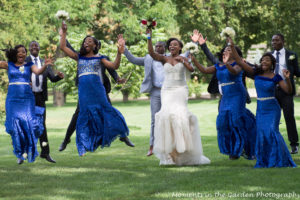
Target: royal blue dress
(235,124)
(271,150)
(98,122)
(24,120)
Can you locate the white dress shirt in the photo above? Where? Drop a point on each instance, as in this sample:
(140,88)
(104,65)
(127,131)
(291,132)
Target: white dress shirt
(158,74)
(282,62)
(33,76)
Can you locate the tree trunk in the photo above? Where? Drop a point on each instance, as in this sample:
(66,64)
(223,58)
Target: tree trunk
(58,97)
(125,96)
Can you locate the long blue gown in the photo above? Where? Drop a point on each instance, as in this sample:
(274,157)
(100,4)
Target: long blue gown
(24,120)
(235,124)
(271,150)
(98,122)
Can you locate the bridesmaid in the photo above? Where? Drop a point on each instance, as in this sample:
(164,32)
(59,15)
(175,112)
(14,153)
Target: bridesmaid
(24,120)
(271,150)
(235,124)
(98,122)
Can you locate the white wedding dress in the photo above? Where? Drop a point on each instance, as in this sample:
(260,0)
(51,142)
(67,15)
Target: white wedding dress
(177,137)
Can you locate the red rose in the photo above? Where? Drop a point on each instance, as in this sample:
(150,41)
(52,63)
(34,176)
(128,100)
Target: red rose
(144,22)
(154,23)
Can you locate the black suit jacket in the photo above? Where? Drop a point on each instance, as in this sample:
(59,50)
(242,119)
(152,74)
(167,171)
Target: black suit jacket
(106,81)
(48,73)
(292,66)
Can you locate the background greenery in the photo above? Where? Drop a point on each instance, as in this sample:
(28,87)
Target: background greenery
(122,172)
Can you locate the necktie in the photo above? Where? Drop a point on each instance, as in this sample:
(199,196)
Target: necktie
(37,80)
(277,62)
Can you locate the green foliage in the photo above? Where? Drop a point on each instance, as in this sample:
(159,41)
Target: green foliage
(115,17)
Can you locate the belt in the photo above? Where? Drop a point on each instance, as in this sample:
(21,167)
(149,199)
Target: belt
(265,98)
(88,73)
(19,83)
(225,84)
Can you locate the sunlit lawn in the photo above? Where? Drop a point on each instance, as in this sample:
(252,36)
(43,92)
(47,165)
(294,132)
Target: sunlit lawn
(121,172)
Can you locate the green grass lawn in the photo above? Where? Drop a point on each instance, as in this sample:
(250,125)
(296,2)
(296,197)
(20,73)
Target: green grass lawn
(121,172)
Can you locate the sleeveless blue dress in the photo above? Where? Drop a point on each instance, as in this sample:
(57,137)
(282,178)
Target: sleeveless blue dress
(271,150)
(98,122)
(235,124)
(24,120)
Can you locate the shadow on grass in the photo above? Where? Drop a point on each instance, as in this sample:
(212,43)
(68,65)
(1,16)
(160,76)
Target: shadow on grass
(120,172)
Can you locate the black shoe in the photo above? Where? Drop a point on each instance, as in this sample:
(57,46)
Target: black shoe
(294,150)
(48,158)
(127,141)
(233,157)
(63,145)
(20,161)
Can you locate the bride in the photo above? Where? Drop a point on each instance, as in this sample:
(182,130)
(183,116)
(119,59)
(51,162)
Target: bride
(177,137)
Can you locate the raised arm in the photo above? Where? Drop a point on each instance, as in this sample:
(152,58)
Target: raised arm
(121,48)
(197,37)
(3,65)
(286,85)
(37,70)
(239,60)
(204,70)
(135,60)
(152,53)
(63,45)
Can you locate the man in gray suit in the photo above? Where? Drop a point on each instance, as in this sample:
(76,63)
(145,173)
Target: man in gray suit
(152,83)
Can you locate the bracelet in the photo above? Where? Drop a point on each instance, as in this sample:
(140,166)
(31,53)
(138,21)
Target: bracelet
(182,61)
(148,36)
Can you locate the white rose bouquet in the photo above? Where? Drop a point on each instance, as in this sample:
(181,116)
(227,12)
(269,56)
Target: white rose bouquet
(227,32)
(62,14)
(192,47)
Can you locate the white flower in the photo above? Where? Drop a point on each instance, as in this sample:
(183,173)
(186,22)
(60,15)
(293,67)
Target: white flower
(61,14)
(21,69)
(227,32)
(292,57)
(190,46)
(44,144)
(24,155)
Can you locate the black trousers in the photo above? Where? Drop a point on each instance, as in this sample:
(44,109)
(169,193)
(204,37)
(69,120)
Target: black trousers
(72,126)
(39,101)
(286,102)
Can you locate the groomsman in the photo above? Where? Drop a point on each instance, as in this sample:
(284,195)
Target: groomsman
(40,91)
(286,59)
(106,83)
(152,83)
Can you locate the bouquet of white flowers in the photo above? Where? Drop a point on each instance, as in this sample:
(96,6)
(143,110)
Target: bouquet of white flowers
(227,32)
(62,14)
(192,47)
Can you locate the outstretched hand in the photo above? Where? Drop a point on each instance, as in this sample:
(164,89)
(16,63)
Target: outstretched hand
(60,74)
(121,80)
(195,36)
(201,40)
(48,61)
(121,44)
(286,73)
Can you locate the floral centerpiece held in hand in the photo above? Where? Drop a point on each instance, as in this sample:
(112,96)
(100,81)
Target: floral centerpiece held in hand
(227,32)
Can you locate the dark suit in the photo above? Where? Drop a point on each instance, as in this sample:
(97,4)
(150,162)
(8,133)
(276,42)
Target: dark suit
(41,98)
(286,101)
(107,86)
(213,86)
